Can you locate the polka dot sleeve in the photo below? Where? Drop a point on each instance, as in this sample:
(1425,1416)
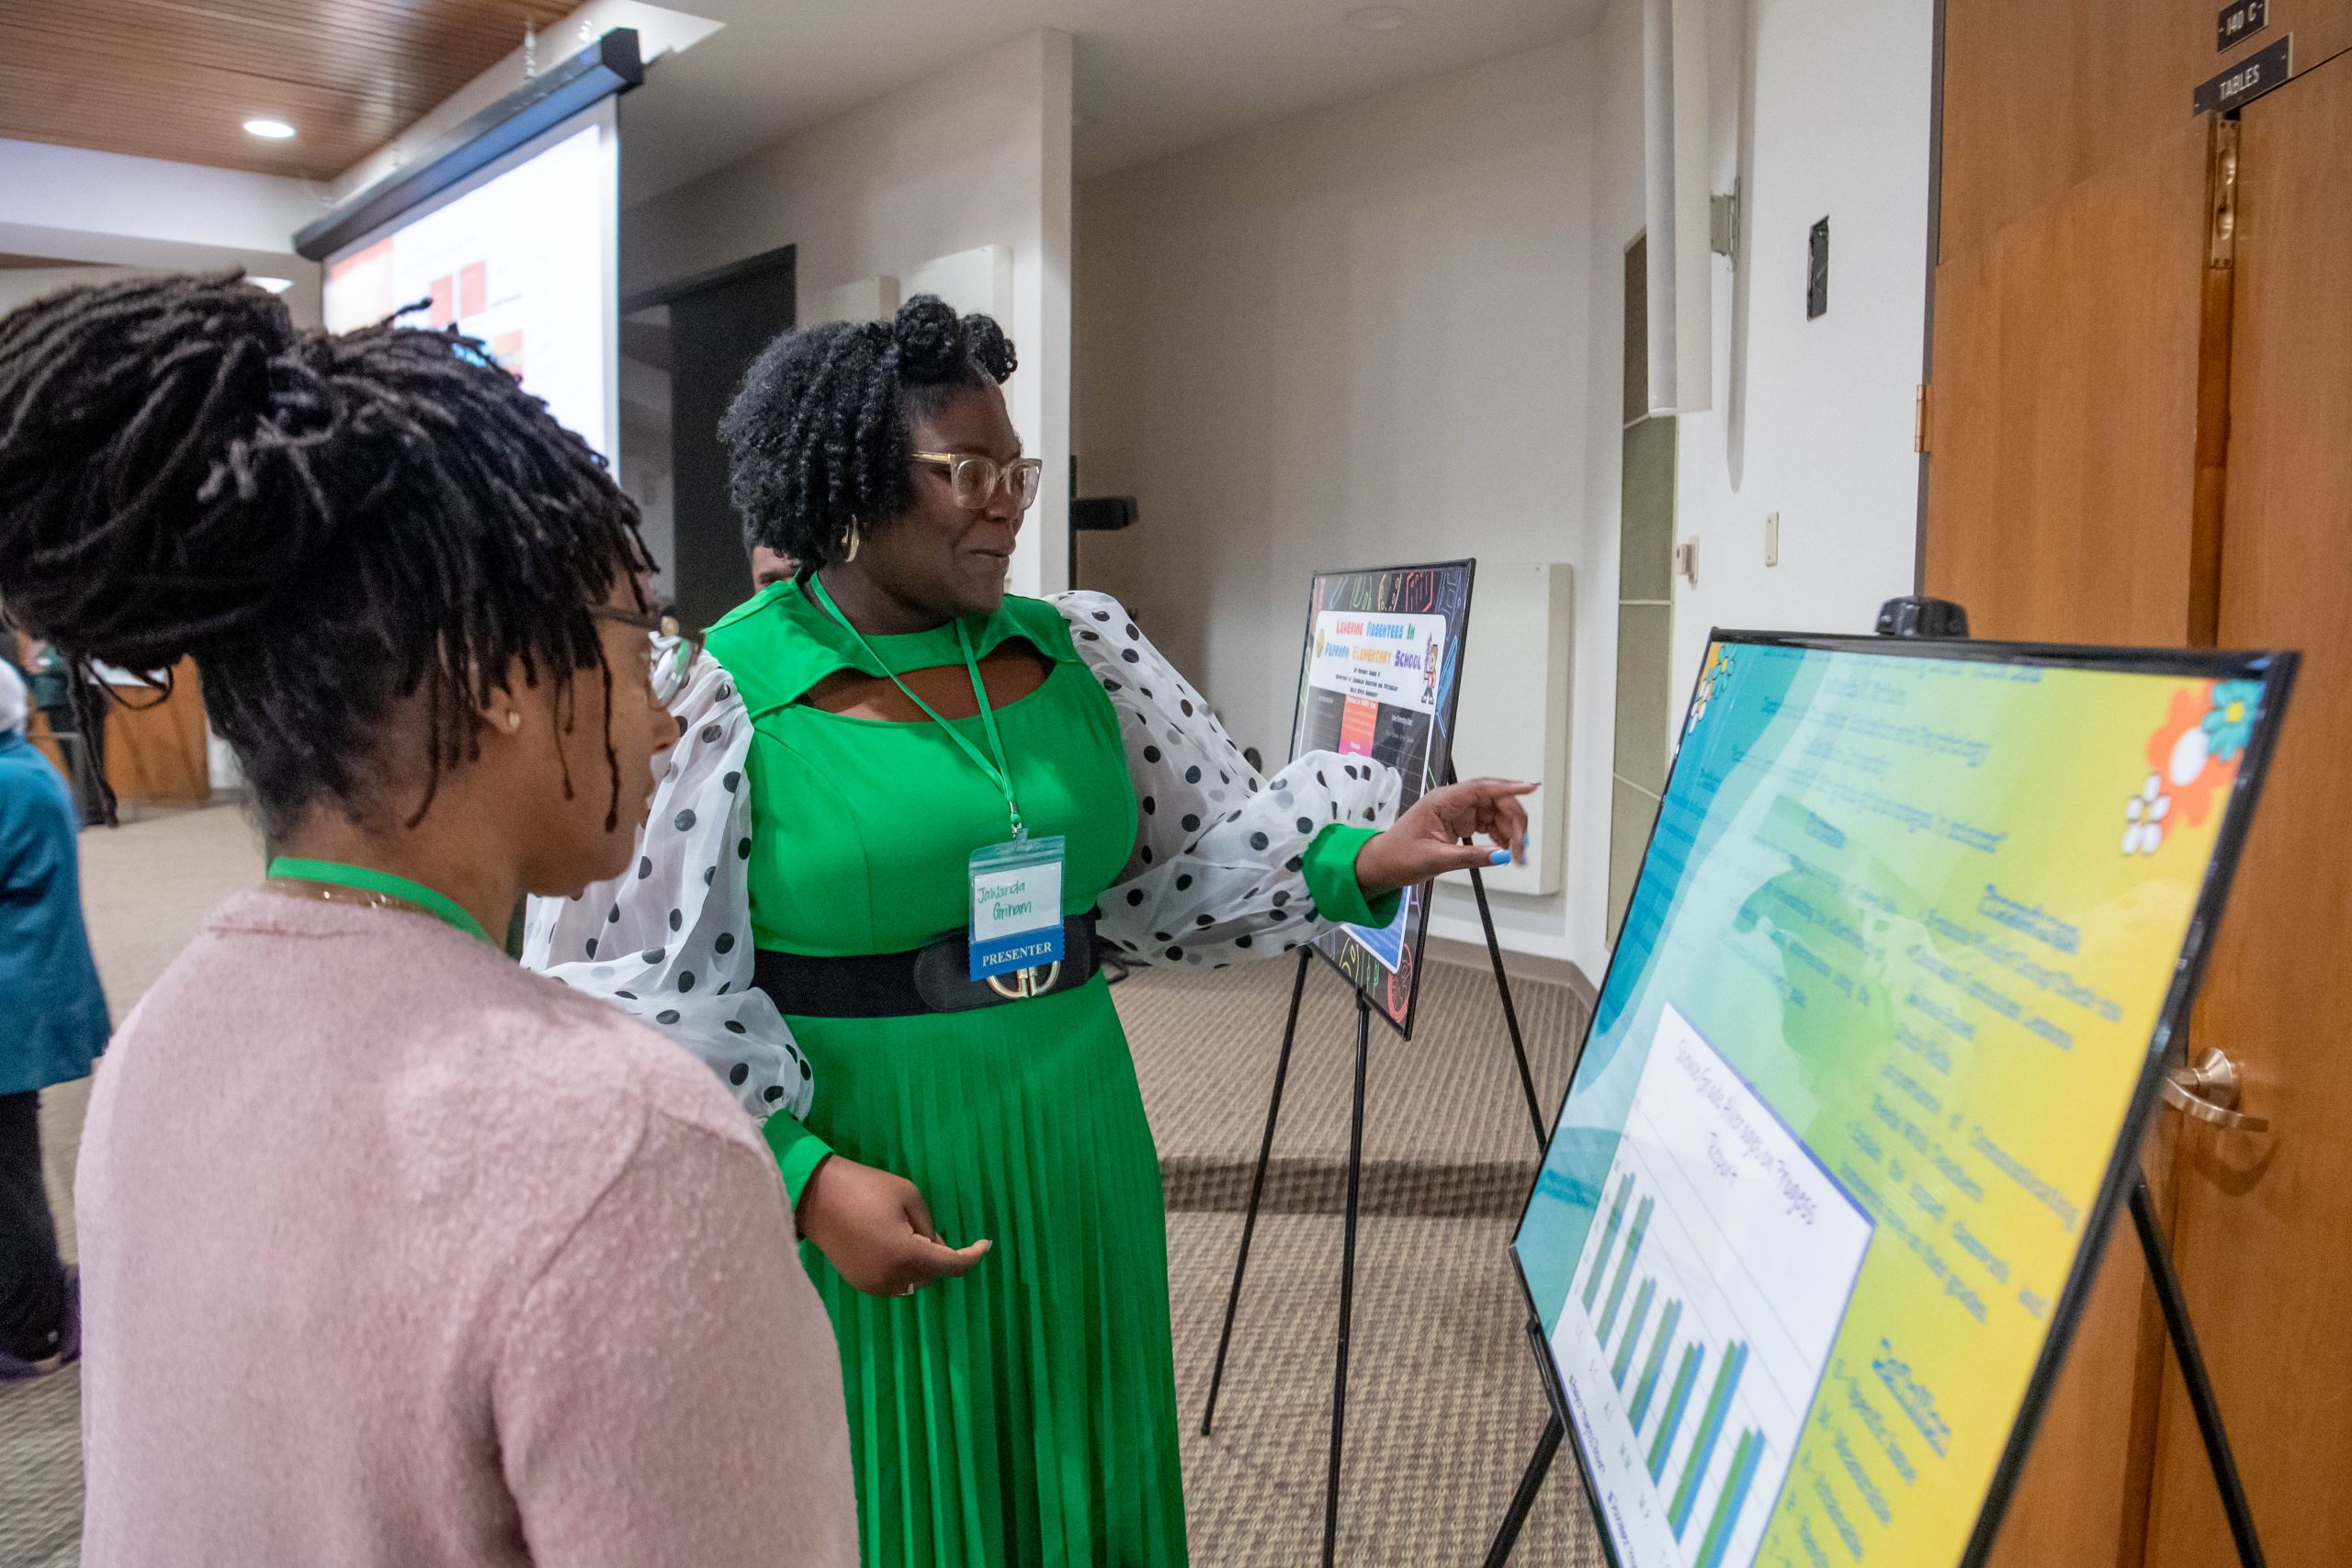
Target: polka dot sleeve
(670,939)
(1219,872)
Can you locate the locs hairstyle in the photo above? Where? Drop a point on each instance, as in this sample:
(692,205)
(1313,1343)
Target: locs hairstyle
(328,524)
(818,439)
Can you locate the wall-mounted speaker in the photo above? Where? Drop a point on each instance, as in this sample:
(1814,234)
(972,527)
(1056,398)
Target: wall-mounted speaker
(1103,514)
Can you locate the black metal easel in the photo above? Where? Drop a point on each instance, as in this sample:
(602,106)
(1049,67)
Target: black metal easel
(1942,618)
(2177,1328)
(1355,1175)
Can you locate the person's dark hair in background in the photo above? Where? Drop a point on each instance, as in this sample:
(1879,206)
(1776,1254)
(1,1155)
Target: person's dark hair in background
(769,567)
(181,434)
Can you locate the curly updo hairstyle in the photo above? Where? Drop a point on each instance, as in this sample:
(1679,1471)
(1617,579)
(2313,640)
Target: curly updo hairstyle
(328,524)
(817,440)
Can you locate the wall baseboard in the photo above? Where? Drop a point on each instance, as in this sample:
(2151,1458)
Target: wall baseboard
(1518,966)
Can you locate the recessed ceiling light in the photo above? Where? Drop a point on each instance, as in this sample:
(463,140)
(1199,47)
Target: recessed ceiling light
(1378,19)
(275,284)
(269,129)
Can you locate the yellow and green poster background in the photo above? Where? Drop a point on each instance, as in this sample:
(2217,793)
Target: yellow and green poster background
(1928,912)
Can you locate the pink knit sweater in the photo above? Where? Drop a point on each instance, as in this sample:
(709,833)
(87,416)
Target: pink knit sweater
(394,1253)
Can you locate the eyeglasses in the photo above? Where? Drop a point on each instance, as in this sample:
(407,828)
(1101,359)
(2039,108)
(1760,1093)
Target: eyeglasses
(670,650)
(975,479)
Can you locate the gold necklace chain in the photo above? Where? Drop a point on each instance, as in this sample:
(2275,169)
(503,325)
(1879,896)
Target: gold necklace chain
(358,897)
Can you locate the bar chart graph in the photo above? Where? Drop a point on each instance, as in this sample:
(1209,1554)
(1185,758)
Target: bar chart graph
(1703,1311)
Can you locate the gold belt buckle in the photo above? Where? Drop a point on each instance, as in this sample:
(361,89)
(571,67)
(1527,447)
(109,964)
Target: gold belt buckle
(1024,983)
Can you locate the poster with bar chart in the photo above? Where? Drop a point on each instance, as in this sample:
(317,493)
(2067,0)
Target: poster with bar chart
(1866,1076)
(1710,1296)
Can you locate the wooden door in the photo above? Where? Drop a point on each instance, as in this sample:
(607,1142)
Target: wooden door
(2260,1219)
(2063,505)
(2131,441)
(2061,479)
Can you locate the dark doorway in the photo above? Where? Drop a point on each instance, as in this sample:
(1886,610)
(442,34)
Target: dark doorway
(704,332)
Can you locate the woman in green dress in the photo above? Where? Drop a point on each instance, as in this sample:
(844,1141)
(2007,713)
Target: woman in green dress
(858,733)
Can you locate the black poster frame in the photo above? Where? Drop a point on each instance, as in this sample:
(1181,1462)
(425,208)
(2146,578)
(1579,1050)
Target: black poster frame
(2277,671)
(1440,763)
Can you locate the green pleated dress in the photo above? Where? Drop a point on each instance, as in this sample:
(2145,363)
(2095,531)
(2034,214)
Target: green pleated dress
(1024,1414)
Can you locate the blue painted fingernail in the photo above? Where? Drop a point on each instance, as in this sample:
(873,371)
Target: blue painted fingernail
(1501,857)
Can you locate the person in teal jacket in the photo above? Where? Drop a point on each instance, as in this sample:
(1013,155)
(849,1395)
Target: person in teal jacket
(57,1013)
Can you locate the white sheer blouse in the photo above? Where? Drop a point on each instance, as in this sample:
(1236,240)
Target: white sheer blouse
(1216,877)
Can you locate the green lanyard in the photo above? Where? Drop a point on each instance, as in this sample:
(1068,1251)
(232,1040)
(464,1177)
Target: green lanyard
(368,879)
(1000,772)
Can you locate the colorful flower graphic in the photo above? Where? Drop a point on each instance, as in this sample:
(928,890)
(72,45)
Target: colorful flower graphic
(2230,723)
(2144,817)
(1716,672)
(2194,754)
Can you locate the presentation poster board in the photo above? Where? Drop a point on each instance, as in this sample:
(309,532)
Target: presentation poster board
(1380,677)
(1866,1079)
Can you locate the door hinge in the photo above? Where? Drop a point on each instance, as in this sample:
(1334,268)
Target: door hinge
(2222,235)
(1919,420)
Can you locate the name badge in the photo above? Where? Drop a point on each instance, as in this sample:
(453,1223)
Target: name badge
(1016,905)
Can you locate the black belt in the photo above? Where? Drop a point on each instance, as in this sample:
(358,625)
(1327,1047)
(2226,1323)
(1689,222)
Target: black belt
(935,977)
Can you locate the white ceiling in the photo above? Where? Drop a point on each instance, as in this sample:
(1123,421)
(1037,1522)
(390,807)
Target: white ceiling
(1153,77)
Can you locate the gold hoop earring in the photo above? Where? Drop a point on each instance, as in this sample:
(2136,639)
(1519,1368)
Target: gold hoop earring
(853,536)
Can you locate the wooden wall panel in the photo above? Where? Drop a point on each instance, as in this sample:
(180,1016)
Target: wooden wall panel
(2039,98)
(159,754)
(2061,478)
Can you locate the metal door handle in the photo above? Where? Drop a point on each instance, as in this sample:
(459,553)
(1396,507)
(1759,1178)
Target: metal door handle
(2207,1088)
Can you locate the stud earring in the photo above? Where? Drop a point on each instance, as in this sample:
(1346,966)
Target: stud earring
(513,720)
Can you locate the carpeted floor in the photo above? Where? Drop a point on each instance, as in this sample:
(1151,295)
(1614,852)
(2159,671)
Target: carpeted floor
(1443,1405)
(1443,1402)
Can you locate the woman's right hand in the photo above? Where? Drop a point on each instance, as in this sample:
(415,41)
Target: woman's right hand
(873,1228)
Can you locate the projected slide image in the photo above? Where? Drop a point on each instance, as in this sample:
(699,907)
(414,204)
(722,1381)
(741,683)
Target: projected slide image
(516,261)
(1702,1309)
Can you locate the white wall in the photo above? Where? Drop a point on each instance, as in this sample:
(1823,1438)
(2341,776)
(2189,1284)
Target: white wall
(978,155)
(1820,110)
(1391,330)
(76,205)
(1356,337)
(21,285)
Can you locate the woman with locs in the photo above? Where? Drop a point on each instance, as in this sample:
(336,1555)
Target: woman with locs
(393,1251)
(867,736)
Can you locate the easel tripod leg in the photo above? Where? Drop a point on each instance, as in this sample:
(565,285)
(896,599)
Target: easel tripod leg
(1511,1012)
(1522,1502)
(2192,1372)
(1257,1190)
(1347,1286)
